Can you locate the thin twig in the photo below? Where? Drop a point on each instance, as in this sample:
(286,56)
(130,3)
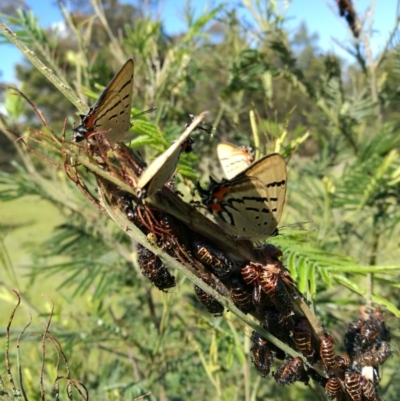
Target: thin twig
(16,392)
(44,336)
(21,383)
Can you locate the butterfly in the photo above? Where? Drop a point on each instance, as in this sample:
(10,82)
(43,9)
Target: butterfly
(234,159)
(112,110)
(163,167)
(250,205)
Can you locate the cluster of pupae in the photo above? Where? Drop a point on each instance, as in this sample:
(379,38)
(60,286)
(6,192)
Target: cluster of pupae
(353,375)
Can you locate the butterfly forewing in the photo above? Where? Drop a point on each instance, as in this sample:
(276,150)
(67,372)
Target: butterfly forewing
(234,159)
(111,113)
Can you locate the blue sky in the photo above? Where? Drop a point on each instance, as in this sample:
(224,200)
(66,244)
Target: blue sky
(320,17)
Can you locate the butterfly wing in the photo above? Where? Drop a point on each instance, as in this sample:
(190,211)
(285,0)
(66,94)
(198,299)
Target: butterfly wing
(163,167)
(160,171)
(112,110)
(271,171)
(250,205)
(233,159)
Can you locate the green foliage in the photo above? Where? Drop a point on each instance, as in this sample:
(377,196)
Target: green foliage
(336,127)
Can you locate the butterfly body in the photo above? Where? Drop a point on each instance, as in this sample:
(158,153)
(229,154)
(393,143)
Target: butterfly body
(110,115)
(250,205)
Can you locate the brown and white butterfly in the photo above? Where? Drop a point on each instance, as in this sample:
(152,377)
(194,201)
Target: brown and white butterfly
(111,113)
(250,205)
(234,159)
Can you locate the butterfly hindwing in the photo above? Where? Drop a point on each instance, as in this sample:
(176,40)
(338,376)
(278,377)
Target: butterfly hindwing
(250,205)
(234,159)
(163,167)
(160,171)
(271,171)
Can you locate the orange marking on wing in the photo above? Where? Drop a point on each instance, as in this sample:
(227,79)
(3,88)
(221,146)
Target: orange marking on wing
(220,193)
(89,122)
(215,207)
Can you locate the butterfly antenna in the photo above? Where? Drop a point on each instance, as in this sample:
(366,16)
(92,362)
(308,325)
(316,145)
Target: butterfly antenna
(144,112)
(293,226)
(202,126)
